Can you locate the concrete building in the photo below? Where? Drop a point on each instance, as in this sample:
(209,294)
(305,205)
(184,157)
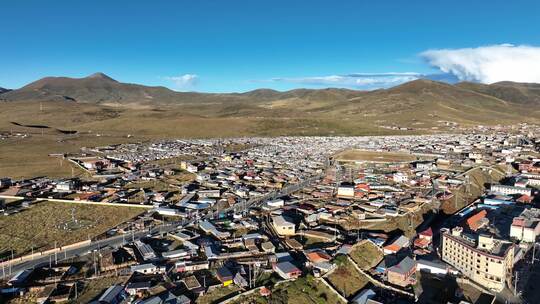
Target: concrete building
(402,274)
(483,259)
(283,225)
(509,190)
(345,190)
(287,270)
(526,227)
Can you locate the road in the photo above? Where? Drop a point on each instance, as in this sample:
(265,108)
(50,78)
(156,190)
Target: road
(114,242)
(119,240)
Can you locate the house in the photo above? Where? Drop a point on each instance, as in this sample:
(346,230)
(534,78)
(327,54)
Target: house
(318,256)
(424,239)
(5,182)
(398,244)
(185,266)
(113,295)
(167,298)
(225,276)
(148,268)
(283,225)
(478,220)
(287,270)
(432,267)
(268,247)
(364,296)
(146,251)
(345,190)
(134,288)
(402,274)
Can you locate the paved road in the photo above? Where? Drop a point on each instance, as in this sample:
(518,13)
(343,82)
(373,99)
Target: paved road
(119,240)
(115,241)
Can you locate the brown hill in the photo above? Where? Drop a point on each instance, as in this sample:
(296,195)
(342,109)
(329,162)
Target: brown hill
(415,102)
(522,93)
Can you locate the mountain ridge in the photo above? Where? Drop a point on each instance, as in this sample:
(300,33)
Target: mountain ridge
(470,102)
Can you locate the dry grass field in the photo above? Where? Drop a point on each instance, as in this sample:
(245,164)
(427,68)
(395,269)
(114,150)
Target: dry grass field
(98,125)
(367,255)
(41,225)
(346,279)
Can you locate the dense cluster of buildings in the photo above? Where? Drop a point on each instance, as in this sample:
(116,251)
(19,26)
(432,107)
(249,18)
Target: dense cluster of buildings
(284,208)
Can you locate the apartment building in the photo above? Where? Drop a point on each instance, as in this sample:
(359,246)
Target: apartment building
(509,190)
(482,258)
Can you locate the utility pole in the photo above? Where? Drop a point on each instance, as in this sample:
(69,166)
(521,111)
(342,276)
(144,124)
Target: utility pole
(515,281)
(534,252)
(95,265)
(11,262)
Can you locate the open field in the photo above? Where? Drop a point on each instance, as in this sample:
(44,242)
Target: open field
(374,156)
(98,125)
(346,279)
(43,224)
(367,255)
(303,290)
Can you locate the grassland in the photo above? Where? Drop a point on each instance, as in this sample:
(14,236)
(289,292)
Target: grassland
(98,125)
(367,255)
(42,225)
(346,279)
(303,290)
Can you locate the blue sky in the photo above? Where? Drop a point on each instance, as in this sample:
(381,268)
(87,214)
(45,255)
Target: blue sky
(224,46)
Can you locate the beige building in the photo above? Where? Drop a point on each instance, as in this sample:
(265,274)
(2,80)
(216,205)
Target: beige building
(283,225)
(526,227)
(483,259)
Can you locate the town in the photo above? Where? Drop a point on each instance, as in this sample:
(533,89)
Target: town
(442,218)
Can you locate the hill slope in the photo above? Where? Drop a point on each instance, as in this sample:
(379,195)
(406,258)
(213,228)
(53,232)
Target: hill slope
(522,93)
(417,103)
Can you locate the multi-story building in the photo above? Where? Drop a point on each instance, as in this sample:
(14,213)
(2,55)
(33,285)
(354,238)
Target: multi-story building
(526,227)
(509,190)
(482,258)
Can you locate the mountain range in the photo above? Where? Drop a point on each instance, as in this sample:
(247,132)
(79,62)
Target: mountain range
(100,88)
(419,103)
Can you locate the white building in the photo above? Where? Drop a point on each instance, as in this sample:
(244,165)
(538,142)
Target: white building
(526,227)
(283,225)
(509,190)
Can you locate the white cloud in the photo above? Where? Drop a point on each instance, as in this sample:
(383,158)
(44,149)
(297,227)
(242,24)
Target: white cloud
(365,81)
(186,81)
(488,64)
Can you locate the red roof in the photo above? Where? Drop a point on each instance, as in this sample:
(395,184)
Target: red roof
(474,221)
(524,199)
(428,232)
